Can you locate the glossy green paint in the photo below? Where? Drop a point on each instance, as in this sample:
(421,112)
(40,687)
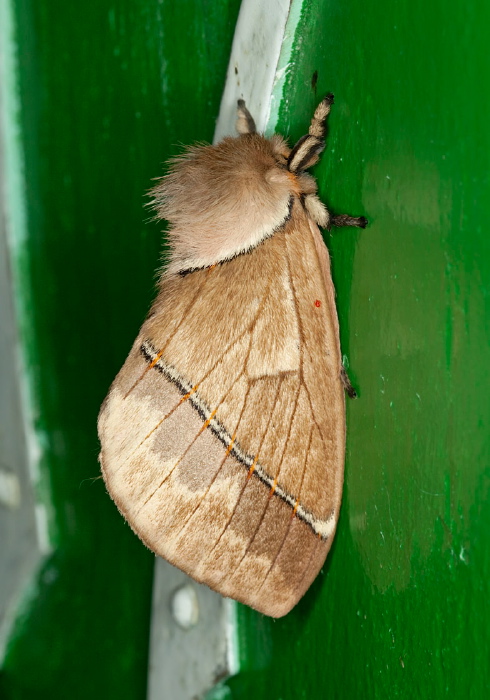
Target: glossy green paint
(106,91)
(401,608)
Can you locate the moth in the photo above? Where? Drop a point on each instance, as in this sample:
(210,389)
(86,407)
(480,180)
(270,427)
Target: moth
(223,435)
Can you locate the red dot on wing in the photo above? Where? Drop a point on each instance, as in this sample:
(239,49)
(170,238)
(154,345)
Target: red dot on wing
(318,303)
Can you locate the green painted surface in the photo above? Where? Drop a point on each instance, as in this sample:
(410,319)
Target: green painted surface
(402,607)
(106,92)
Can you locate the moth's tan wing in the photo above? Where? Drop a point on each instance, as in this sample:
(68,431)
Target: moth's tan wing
(223,435)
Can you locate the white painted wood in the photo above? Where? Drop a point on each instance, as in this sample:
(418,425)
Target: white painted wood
(254,60)
(188,651)
(182,660)
(21,541)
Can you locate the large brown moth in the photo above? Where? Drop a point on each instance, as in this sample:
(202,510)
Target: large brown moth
(223,435)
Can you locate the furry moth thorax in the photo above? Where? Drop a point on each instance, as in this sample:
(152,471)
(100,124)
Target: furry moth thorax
(224,200)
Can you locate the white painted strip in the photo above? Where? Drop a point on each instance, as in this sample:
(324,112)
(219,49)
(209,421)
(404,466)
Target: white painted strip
(20,549)
(231,636)
(284,66)
(9,489)
(16,234)
(255,57)
(259,63)
(185,660)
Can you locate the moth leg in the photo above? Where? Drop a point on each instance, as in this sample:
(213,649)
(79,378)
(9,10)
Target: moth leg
(351,392)
(346,220)
(245,123)
(319,213)
(317,210)
(307,151)
(307,183)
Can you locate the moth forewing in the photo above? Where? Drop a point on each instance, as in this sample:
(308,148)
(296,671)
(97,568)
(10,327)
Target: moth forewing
(223,435)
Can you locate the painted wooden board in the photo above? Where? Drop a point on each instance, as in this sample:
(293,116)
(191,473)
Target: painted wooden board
(104,96)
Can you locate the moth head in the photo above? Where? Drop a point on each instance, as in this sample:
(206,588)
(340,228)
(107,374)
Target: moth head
(223,200)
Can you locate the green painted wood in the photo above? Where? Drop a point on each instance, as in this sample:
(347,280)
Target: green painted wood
(106,93)
(401,609)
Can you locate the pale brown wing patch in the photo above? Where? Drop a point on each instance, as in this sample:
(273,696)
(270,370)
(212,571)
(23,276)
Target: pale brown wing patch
(172,536)
(165,449)
(275,346)
(221,297)
(271,533)
(225,462)
(201,460)
(197,540)
(255,407)
(262,531)
(262,399)
(274,443)
(183,303)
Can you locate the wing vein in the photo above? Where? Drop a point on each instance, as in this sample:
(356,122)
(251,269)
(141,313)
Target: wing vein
(281,379)
(159,355)
(293,514)
(185,396)
(181,457)
(190,516)
(247,355)
(198,291)
(268,501)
